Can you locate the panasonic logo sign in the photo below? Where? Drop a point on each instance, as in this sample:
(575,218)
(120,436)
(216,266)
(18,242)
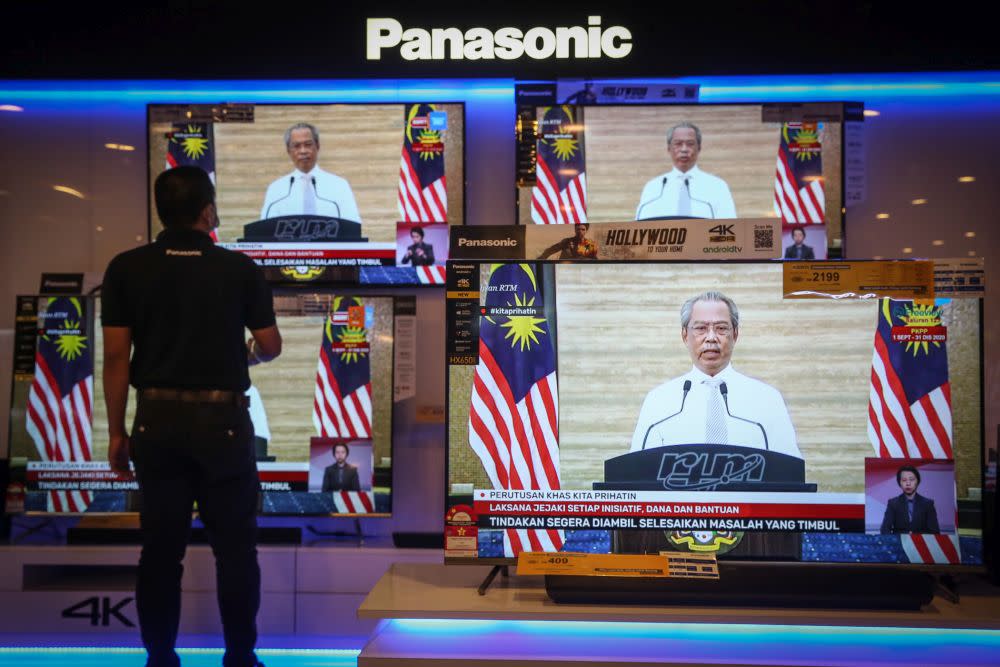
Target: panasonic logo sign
(539,43)
(486,243)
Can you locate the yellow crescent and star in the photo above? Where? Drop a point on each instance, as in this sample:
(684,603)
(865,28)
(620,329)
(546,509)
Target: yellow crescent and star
(521,329)
(915,315)
(69,345)
(564,144)
(195,144)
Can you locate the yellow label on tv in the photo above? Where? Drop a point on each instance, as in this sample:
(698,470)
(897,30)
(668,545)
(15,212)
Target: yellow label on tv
(860,280)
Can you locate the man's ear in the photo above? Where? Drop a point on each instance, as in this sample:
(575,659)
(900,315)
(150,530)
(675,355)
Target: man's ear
(208,215)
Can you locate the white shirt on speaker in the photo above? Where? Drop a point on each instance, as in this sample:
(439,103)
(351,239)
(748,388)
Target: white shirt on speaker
(710,196)
(331,196)
(748,398)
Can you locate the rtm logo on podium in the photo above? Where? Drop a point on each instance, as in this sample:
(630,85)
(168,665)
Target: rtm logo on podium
(100,611)
(592,41)
(699,471)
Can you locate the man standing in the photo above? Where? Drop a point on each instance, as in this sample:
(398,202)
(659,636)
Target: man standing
(181,306)
(799,250)
(909,512)
(308,190)
(341,476)
(713,403)
(419,253)
(685,191)
(577,246)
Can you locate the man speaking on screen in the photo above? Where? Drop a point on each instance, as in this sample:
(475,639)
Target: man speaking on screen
(308,190)
(713,403)
(685,191)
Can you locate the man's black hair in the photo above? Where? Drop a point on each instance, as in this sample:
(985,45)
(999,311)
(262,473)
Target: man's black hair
(182,193)
(418,230)
(344,445)
(899,473)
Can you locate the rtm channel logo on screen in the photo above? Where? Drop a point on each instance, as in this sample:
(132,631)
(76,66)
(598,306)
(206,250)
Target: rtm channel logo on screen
(540,43)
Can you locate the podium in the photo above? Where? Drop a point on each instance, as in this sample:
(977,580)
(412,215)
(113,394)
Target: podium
(303,229)
(707,468)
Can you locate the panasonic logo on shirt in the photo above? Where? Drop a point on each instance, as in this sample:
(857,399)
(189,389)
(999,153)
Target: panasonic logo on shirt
(487,243)
(184,253)
(539,43)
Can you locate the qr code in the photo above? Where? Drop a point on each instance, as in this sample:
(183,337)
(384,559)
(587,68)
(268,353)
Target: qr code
(763,239)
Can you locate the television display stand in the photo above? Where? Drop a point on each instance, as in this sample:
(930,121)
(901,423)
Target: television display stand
(754,584)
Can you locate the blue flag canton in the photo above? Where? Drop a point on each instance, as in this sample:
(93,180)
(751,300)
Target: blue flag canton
(521,344)
(346,344)
(560,144)
(424,142)
(63,342)
(922,367)
(191,145)
(801,143)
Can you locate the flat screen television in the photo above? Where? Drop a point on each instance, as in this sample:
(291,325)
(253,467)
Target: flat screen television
(322,411)
(315,192)
(586,419)
(612,163)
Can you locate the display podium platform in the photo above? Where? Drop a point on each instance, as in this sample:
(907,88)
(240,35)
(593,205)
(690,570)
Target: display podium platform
(432,614)
(306,591)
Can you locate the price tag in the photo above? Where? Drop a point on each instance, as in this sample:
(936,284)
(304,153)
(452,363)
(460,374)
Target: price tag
(869,280)
(664,564)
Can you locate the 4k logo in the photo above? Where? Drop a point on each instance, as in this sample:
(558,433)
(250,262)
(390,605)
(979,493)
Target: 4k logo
(100,611)
(722,234)
(691,471)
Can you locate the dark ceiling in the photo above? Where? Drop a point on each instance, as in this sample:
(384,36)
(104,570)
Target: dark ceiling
(320,40)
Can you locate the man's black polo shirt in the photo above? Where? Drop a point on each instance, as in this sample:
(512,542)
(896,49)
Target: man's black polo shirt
(187,302)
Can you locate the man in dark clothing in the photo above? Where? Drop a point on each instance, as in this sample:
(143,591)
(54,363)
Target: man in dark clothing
(798,249)
(341,476)
(419,253)
(909,512)
(181,306)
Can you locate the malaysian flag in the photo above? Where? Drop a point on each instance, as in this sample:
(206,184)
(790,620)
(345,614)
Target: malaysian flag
(431,275)
(798,181)
(342,404)
(909,406)
(61,397)
(560,193)
(514,412)
(192,145)
(423,191)
(354,502)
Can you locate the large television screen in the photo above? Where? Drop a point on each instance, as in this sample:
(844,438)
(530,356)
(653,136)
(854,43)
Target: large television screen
(587,418)
(638,162)
(308,189)
(322,411)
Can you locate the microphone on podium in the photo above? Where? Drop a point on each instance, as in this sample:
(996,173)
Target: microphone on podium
(724,390)
(291,182)
(663,185)
(330,201)
(687,388)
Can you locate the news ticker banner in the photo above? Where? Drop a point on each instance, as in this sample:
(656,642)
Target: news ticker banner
(751,238)
(670,510)
(665,564)
(98,476)
(281,254)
